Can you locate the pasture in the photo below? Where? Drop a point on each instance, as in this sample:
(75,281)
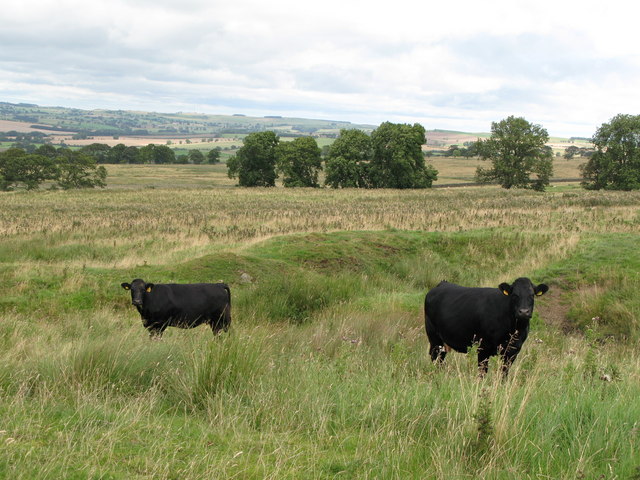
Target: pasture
(325,372)
(452,171)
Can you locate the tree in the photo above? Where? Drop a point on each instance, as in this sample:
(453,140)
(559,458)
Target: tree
(470,150)
(120,153)
(163,154)
(47,150)
(159,154)
(615,165)
(99,151)
(517,150)
(19,168)
(453,151)
(196,157)
(299,162)
(254,164)
(145,154)
(570,152)
(66,168)
(213,156)
(78,170)
(348,160)
(398,161)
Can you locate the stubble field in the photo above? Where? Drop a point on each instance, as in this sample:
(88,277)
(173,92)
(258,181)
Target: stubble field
(325,372)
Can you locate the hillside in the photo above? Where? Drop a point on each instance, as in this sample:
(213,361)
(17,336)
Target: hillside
(79,127)
(121,122)
(75,127)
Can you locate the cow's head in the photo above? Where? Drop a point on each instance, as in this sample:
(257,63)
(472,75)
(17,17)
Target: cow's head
(138,288)
(522,293)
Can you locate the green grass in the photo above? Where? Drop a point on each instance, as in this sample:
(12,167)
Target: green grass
(325,372)
(315,403)
(601,281)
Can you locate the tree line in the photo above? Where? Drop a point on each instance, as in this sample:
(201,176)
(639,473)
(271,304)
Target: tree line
(391,157)
(158,154)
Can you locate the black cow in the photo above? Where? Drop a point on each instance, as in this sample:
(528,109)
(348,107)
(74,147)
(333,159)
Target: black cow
(496,318)
(181,305)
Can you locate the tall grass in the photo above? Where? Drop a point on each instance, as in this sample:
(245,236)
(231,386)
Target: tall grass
(325,372)
(281,402)
(129,228)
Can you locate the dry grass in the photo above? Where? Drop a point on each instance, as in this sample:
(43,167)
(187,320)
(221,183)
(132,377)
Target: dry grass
(166,225)
(452,170)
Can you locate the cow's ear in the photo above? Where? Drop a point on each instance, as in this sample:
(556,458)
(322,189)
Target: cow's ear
(149,287)
(541,289)
(505,288)
(126,286)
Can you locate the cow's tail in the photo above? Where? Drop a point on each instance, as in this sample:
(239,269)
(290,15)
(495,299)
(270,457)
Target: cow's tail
(227,309)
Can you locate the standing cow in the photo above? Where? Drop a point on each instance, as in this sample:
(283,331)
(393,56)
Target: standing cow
(496,318)
(181,305)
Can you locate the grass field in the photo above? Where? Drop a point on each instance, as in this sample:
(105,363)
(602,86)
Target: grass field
(325,372)
(451,171)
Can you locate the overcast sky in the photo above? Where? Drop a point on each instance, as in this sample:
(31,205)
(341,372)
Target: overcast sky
(568,66)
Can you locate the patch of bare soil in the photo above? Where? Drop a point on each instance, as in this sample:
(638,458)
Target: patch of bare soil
(553,310)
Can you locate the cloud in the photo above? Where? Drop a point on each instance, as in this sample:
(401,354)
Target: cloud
(455,65)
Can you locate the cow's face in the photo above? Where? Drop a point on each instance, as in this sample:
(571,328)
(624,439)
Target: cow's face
(522,293)
(138,288)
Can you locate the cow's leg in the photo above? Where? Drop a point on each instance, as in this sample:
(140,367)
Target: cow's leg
(507,360)
(220,321)
(512,349)
(155,333)
(437,348)
(215,327)
(438,352)
(227,317)
(224,318)
(156,330)
(436,344)
(483,359)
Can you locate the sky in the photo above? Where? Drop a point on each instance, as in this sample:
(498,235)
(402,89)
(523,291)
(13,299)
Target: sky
(567,66)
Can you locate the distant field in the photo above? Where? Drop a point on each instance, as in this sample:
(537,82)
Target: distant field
(138,141)
(22,127)
(198,126)
(451,171)
(168,176)
(438,139)
(462,170)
